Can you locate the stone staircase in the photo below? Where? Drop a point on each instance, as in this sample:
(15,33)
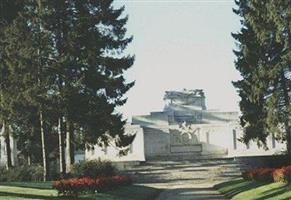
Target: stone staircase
(171,173)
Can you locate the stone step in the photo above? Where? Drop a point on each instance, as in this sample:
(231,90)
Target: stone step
(173,172)
(227,164)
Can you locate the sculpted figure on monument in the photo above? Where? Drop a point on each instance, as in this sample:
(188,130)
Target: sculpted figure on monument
(188,134)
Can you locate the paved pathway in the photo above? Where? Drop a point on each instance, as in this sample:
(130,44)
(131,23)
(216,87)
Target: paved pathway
(185,180)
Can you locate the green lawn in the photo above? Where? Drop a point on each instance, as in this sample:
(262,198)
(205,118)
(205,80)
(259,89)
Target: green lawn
(240,189)
(32,190)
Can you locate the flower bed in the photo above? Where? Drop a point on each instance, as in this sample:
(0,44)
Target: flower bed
(265,174)
(76,186)
(248,175)
(259,174)
(282,174)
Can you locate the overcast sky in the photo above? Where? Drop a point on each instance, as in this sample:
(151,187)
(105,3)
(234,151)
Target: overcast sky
(181,44)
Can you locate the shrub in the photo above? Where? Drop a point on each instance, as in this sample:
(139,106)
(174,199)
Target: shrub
(3,176)
(266,174)
(282,174)
(21,173)
(107,183)
(278,175)
(53,170)
(248,175)
(263,174)
(92,169)
(32,173)
(76,186)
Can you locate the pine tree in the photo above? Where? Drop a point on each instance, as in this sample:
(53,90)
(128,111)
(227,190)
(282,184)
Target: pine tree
(59,24)
(28,63)
(264,64)
(251,104)
(89,40)
(8,13)
(65,76)
(279,68)
(101,40)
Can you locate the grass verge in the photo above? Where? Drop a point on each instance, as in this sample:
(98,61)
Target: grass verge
(240,189)
(38,190)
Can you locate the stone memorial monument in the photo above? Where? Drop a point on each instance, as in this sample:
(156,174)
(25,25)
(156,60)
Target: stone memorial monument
(185,129)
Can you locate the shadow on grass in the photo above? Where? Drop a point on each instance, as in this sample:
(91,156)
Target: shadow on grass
(27,196)
(38,197)
(275,192)
(35,185)
(234,187)
(255,190)
(127,192)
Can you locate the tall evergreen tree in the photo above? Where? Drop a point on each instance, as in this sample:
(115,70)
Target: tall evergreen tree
(28,63)
(60,23)
(101,40)
(8,13)
(263,58)
(89,64)
(66,74)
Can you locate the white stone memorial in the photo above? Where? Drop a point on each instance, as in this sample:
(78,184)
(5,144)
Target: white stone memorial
(185,129)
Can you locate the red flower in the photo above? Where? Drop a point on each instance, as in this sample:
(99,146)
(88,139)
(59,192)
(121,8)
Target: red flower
(282,174)
(264,174)
(75,186)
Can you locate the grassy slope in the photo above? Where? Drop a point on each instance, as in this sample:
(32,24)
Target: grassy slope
(250,190)
(29,190)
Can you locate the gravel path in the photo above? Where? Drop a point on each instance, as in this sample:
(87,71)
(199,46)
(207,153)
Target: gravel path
(185,180)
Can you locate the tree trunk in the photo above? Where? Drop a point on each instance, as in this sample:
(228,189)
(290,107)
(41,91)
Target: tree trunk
(68,145)
(29,159)
(286,117)
(72,144)
(61,149)
(288,137)
(7,144)
(43,146)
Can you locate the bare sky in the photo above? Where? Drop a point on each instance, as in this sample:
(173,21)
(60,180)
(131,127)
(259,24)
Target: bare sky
(181,44)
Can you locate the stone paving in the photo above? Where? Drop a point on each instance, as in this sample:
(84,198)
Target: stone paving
(185,180)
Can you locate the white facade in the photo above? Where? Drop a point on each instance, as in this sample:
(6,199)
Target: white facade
(136,149)
(186,129)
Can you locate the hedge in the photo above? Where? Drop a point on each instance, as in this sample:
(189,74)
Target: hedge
(21,173)
(92,169)
(259,174)
(265,174)
(282,174)
(76,186)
